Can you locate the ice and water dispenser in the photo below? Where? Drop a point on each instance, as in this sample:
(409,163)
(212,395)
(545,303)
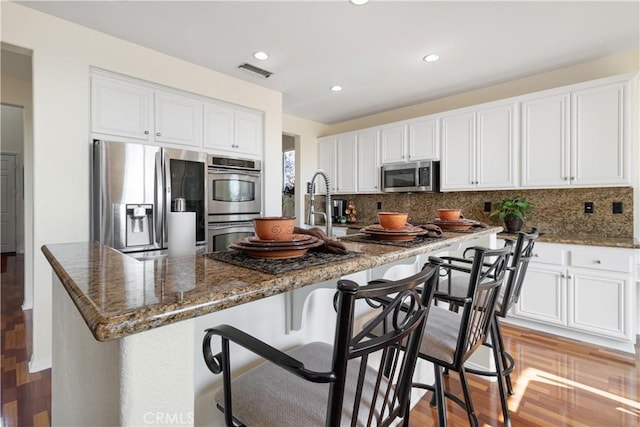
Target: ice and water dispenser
(139,225)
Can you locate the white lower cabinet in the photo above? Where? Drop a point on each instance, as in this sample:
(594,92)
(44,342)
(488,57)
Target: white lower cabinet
(581,292)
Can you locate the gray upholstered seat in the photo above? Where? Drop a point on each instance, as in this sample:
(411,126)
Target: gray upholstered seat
(305,403)
(441,334)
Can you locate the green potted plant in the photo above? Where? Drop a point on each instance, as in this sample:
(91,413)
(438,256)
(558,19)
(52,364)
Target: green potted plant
(513,211)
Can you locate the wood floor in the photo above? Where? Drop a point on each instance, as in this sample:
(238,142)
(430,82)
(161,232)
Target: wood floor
(557,382)
(26,398)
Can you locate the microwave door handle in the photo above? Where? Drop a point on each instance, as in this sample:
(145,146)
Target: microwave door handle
(158,202)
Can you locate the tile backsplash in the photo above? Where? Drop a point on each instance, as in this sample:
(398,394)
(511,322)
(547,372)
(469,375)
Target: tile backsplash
(555,210)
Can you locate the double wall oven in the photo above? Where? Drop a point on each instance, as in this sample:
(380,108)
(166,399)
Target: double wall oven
(234,199)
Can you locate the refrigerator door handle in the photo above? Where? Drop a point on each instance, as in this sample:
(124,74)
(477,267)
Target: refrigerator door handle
(167,194)
(159,200)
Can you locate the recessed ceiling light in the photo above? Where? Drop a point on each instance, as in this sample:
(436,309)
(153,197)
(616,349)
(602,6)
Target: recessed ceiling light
(431,57)
(261,55)
(336,88)
(358,2)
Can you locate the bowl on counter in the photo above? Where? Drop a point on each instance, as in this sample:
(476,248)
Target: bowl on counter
(449,214)
(393,220)
(274,227)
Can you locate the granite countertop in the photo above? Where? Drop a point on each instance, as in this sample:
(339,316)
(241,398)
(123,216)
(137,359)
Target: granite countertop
(577,239)
(118,295)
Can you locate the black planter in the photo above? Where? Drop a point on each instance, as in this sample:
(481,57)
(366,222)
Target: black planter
(513,224)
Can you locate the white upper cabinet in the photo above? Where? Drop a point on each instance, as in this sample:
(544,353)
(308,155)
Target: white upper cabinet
(327,163)
(545,141)
(231,130)
(368,161)
(120,108)
(577,137)
(410,140)
(393,144)
(457,169)
(479,148)
(178,119)
(600,134)
(128,110)
(423,139)
(346,164)
(125,109)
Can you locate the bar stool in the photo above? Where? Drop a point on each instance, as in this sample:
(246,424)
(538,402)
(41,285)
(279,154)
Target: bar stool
(318,383)
(452,335)
(507,297)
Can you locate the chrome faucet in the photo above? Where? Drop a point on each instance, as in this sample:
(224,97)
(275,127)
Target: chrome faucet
(312,213)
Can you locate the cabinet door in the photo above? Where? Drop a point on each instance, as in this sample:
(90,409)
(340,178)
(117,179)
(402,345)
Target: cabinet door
(368,162)
(178,119)
(119,108)
(346,164)
(248,133)
(545,141)
(327,163)
(496,149)
(457,169)
(218,127)
(543,295)
(423,139)
(599,303)
(600,135)
(393,140)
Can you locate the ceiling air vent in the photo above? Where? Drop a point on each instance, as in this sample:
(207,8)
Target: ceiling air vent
(264,73)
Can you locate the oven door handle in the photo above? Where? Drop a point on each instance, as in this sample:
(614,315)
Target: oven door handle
(214,171)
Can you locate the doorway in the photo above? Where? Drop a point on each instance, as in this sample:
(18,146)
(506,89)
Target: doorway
(8,223)
(288,175)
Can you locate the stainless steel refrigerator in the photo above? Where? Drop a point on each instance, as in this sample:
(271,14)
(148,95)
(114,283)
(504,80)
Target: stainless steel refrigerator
(133,188)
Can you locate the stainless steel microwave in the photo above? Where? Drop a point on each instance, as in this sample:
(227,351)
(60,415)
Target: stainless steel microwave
(423,176)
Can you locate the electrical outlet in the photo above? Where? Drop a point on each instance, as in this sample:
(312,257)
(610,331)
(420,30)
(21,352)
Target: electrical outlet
(379,205)
(618,207)
(487,206)
(588,207)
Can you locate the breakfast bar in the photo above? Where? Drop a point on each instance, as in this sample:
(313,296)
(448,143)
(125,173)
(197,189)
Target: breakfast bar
(127,333)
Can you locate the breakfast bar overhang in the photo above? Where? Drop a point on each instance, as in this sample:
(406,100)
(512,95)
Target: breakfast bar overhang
(127,333)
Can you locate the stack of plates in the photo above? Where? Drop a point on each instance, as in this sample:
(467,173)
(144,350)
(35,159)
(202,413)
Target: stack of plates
(409,232)
(277,249)
(459,224)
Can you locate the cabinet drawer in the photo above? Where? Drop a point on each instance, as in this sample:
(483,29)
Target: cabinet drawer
(599,258)
(548,254)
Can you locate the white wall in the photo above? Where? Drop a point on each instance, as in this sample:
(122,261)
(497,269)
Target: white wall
(62,55)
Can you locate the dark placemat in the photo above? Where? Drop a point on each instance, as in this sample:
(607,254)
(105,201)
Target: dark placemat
(365,238)
(279,266)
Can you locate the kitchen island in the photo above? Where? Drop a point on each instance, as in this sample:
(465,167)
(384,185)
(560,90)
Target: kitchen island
(126,333)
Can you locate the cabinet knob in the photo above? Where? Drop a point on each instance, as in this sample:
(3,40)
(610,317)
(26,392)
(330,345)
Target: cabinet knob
(536,255)
(573,178)
(146,132)
(563,276)
(597,261)
(566,178)
(157,133)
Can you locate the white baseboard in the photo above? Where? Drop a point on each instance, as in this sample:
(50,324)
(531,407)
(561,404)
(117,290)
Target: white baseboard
(37,365)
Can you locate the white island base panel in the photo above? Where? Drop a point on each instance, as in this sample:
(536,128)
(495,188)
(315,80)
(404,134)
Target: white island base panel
(141,380)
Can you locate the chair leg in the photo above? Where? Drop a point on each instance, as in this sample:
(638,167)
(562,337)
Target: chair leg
(473,420)
(505,361)
(439,395)
(499,370)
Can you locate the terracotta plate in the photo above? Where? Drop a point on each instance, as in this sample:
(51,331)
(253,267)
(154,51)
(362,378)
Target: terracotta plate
(275,252)
(298,240)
